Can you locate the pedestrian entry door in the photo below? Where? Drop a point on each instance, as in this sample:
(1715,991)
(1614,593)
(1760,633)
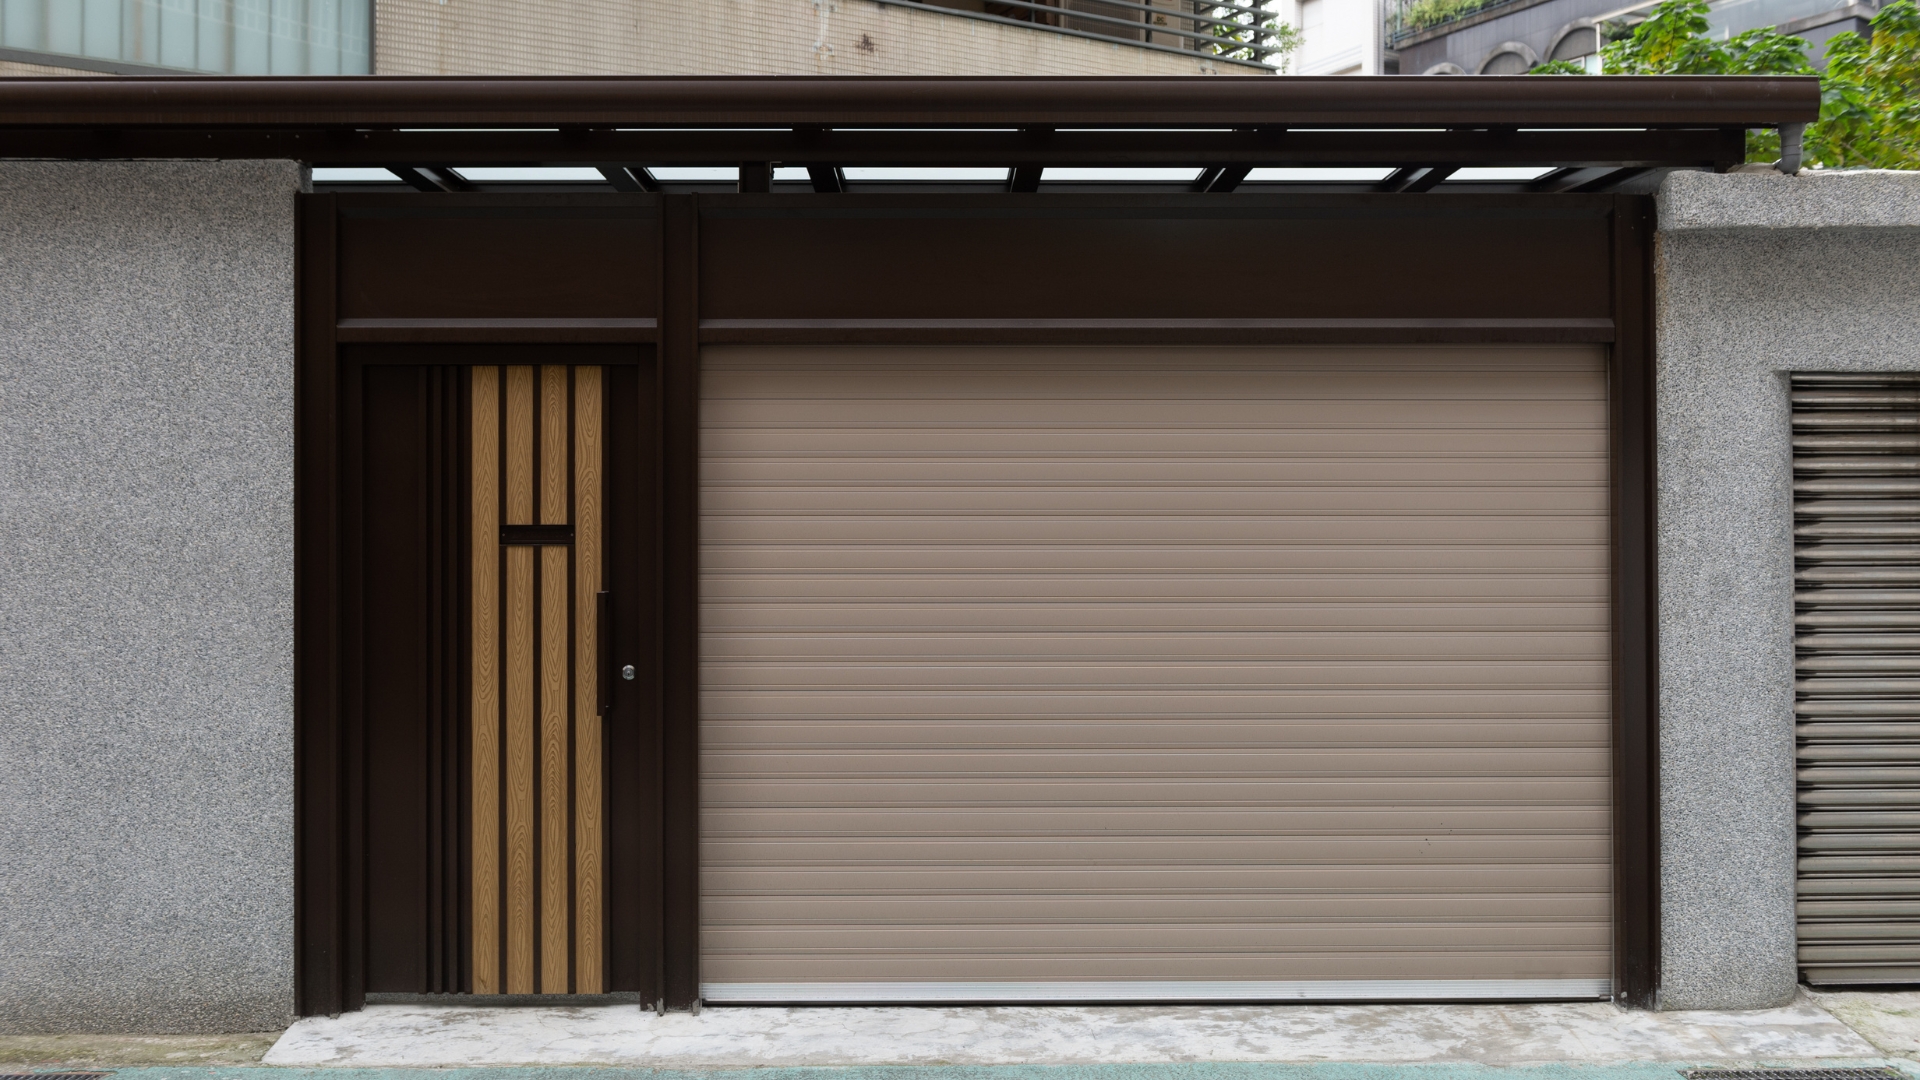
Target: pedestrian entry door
(506,676)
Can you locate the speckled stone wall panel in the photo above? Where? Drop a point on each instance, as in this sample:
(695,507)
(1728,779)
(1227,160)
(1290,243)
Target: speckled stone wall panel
(1816,199)
(146,580)
(1768,285)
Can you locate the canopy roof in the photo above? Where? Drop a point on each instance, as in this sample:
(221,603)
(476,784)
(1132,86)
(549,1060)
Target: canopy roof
(1221,124)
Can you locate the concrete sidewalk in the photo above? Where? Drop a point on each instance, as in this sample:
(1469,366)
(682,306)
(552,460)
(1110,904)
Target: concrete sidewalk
(421,1036)
(1591,1041)
(1190,1071)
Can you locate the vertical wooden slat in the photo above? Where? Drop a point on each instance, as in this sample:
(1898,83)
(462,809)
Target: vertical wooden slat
(486,674)
(519,636)
(555,826)
(589,933)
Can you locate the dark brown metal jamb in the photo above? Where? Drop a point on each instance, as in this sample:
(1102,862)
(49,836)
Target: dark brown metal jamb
(680,597)
(1636,788)
(461,789)
(350,708)
(319,937)
(633,722)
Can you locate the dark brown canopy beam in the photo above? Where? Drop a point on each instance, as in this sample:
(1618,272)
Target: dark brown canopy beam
(1214,149)
(1196,101)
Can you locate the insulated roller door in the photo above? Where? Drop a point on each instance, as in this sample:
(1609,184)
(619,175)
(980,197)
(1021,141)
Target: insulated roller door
(1154,674)
(1856,463)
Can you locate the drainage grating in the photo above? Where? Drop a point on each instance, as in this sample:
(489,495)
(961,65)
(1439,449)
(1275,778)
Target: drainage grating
(1879,1073)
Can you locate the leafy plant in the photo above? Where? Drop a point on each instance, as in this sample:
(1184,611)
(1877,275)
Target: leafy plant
(1870,96)
(1424,13)
(1870,93)
(1246,28)
(1674,41)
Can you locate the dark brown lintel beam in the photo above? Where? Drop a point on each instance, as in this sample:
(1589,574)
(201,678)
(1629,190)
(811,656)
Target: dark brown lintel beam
(1152,331)
(1620,149)
(627,101)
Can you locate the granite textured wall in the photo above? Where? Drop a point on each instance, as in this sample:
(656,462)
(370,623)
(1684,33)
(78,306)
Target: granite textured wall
(146,580)
(1759,275)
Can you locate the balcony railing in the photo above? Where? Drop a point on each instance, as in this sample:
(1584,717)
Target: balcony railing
(1406,18)
(1230,31)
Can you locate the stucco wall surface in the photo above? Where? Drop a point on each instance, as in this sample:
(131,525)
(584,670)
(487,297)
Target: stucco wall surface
(737,37)
(1758,276)
(146,580)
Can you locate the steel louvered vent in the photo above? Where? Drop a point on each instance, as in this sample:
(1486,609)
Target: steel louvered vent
(1878,1073)
(1856,484)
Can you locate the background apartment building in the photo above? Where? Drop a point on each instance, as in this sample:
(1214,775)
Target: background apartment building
(633,37)
(1338,37)
(1511,37)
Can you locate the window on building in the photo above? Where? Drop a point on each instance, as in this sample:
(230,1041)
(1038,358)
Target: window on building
(1580,45)
(227,37)
(1313,17)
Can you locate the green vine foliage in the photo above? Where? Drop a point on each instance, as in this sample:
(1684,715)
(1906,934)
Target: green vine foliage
(1424,13)
(1870,93)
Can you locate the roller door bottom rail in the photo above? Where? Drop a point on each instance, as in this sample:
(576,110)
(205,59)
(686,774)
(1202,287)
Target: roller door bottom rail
(900,993)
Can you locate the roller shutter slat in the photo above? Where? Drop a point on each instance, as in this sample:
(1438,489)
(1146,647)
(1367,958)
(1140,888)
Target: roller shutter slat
(1819,731)
(1822,687)
(1840,707)
(1819,751)
(1856,457)
(1854,865)
(1838,796)
(1857,775)
(1859,909)
(1879,443)
(1849,662)
(1873,485)
(1860,820)
(1860,890)
(1872,842)
(1892,529)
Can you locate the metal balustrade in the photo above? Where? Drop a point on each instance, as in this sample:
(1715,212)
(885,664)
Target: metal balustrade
(1229,31)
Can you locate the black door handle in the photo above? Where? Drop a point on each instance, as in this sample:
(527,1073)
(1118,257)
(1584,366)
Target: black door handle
(603,637)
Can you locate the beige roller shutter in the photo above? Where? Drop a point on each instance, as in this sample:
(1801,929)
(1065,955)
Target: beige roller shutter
(1154,674)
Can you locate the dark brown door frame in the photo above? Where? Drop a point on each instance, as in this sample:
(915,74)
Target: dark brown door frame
(334,348)
(708,286)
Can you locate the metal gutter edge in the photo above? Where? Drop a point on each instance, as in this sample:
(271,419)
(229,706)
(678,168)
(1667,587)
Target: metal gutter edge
(1195,101)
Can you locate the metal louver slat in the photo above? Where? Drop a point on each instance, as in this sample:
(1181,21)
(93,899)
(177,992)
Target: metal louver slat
(1857,675)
